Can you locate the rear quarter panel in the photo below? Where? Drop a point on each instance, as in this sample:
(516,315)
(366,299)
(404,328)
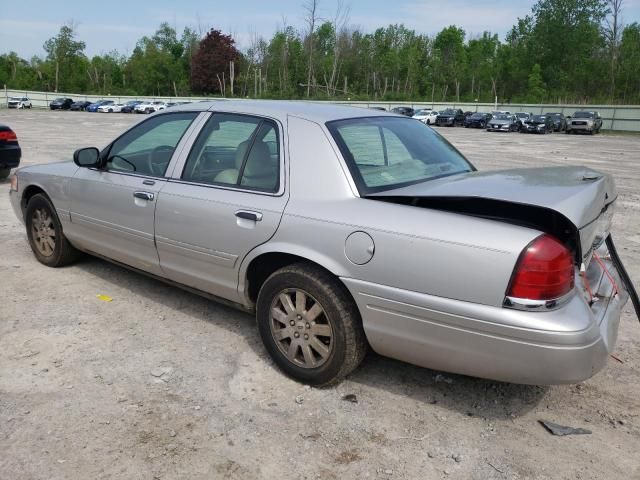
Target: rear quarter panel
(438,253)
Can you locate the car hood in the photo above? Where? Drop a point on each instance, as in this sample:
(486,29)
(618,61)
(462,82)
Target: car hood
(499,122)
(578,193)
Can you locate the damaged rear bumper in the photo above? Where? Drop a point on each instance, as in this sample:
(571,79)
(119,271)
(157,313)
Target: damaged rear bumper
(564,345)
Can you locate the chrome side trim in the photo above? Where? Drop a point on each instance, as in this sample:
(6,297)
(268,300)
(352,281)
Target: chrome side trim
(528,305)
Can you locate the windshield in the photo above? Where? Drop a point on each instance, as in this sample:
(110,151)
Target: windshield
(477,115)
(522,115)
(539,118)
(554,115)
(448,111)
(583,115)
(501,116)
(385,153)
(423,112)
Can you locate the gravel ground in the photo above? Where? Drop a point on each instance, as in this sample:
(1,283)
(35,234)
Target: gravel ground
(162,384)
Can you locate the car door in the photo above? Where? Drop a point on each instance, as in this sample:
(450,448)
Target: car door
(112,208)
(225,198)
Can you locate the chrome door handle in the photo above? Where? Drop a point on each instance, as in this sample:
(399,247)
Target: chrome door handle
(249,215)
(144,195)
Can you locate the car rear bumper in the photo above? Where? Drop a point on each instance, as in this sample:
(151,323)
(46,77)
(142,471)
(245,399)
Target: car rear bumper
(10,156)
(560,346)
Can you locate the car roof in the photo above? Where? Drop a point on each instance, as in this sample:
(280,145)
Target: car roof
(280,109)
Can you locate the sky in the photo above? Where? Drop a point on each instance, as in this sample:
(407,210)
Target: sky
(117,24)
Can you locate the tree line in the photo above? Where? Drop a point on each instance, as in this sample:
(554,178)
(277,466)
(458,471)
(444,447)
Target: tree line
(570,51)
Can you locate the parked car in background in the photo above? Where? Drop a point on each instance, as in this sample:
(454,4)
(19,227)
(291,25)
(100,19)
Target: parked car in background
(130,106)
(406,111)
(10,151)
(378,108)
(537,124)
(61,104)
(150,107)
(450,117)
(110,108)
(19,102)
(339,250)
(521,117)
(559,121)
(502,122)
(422,114)
(477,120)
(79,106)
(585,121)
(430,119)
(95,105)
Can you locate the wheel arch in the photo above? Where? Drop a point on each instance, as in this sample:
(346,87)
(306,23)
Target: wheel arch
(262,262)
(29,192)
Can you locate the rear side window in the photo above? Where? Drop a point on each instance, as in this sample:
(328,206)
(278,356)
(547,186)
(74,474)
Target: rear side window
(383,153)
(236,150)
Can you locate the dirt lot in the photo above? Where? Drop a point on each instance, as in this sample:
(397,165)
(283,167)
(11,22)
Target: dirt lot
(162,384)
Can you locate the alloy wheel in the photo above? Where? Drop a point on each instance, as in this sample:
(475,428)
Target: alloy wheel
(43,231)
(300,328)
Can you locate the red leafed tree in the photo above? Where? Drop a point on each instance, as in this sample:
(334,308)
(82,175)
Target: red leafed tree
(210,62)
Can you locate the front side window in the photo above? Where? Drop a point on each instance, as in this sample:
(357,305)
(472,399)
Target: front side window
(147,148)
(236,150)
(384,153)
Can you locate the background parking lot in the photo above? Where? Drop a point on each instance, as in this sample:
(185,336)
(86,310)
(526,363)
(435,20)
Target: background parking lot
(160,383)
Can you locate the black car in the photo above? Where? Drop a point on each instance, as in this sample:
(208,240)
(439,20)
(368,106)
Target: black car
(559,121)
(130,106)
(477,120)
(79,106)
(61,104)
(537,124)
(10,152)
(450,117)
(406,111)
(378,108)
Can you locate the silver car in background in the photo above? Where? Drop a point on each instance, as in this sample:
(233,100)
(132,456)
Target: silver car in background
(342,229)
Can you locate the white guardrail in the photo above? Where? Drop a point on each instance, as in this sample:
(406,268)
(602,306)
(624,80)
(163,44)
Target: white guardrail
(615,117)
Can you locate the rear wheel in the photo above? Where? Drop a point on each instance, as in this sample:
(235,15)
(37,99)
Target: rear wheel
(44,231)
(310,325)
(4,173)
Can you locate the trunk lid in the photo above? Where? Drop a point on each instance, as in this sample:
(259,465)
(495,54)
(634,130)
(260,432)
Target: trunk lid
(579,195)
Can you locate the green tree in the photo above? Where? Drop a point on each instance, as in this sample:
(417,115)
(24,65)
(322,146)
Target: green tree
(536,86)
(66,55)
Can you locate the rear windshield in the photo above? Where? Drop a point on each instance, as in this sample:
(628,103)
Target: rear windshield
(385,153)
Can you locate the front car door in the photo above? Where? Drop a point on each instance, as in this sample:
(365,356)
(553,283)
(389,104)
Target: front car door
(112,207)
(225,198)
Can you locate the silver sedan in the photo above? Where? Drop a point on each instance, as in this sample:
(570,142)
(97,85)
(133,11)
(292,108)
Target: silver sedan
(344,229)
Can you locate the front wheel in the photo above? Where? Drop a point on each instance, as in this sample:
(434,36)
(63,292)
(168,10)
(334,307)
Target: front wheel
(310,325)
(44,231)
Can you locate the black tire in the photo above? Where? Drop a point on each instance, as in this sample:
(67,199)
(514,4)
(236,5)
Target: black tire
(348,343)
(4,173)
(63,252)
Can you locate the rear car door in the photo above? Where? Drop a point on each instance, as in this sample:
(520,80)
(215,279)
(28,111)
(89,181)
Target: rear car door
(112,208)
(225,198)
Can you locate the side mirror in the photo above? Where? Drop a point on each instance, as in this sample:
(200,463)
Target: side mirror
(87,157)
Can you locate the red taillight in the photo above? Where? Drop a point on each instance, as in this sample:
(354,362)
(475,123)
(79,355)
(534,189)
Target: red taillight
(8,136)
(544,271)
